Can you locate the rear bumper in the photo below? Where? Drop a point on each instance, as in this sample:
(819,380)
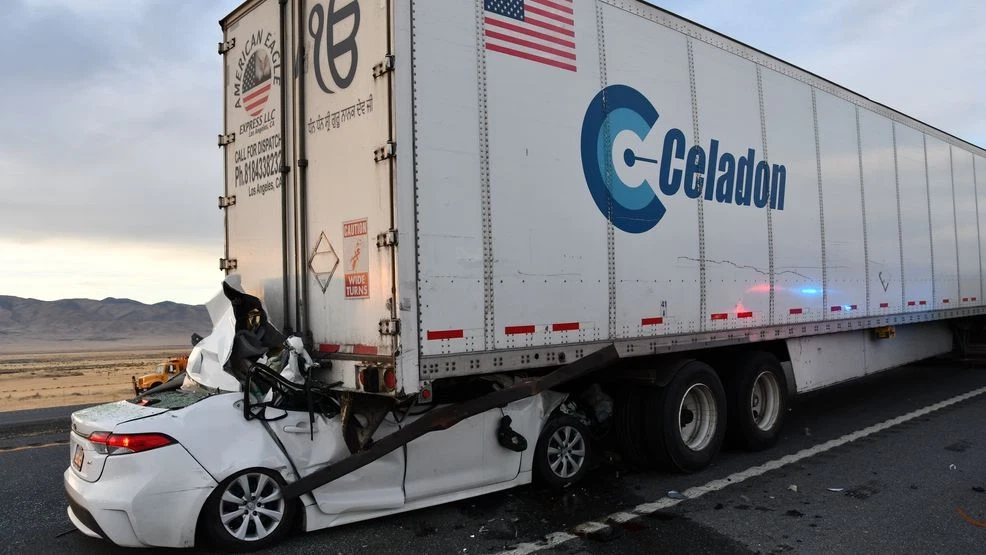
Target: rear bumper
(83,520)
(141,500)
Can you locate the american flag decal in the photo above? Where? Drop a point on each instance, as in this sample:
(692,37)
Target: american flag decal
(541,31)
(256,83)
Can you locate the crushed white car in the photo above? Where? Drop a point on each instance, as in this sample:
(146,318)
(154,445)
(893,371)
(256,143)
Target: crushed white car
(221,448)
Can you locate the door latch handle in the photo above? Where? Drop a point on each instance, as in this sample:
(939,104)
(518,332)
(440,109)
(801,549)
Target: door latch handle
(300,428)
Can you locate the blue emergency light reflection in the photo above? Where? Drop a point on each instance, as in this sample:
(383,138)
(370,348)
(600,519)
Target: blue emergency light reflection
(811,291)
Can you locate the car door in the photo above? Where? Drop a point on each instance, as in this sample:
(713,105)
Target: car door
(462,457)
(376,486)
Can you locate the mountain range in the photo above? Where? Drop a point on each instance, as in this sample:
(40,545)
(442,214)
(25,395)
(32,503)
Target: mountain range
(85,324)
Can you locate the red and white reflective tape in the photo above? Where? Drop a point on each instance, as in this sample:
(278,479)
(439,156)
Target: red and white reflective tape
(655,321)
(348,349)
(884,305)
(911,303)
(964,299)
(439,335)
(794,311)
(725,315)
(922,303)
(529,329)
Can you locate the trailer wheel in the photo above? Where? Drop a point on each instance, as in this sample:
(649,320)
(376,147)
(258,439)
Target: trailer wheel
(757,402)
(563,452)
(629,429)
(247,511)
(686,421)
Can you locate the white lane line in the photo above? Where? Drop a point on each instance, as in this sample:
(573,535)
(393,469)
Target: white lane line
(557,538)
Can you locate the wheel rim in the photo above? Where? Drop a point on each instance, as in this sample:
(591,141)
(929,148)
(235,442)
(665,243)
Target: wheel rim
(765,400)
(698,416)
(252,507)
(566,452)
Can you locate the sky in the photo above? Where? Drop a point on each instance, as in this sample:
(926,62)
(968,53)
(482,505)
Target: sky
(109,112)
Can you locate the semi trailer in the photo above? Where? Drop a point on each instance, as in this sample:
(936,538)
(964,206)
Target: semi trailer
(431,193)
(519,229)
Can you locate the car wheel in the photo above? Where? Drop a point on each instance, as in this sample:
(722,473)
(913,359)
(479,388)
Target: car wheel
(687,418)
(153,385)
(247,511)
(757,402)
(563,452)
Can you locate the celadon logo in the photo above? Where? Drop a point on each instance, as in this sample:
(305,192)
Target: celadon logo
(624,155)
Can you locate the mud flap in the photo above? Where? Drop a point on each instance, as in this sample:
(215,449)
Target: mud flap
(445,417)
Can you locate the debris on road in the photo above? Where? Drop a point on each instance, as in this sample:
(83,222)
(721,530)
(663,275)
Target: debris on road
(836,490)
(793,487)
(676,495)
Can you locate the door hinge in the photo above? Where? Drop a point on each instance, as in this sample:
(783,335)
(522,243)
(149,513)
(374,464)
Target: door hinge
(387,238)
(226,46)
(226,202)
(226,139)
(384,67)
(227,264)
(390,326)
(385,152)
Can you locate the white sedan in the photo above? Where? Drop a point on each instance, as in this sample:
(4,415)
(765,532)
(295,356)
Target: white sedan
(193,451)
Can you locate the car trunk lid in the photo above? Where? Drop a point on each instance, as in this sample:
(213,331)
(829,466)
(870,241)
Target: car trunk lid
(85,460)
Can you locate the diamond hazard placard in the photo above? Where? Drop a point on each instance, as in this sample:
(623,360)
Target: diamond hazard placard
(355,262)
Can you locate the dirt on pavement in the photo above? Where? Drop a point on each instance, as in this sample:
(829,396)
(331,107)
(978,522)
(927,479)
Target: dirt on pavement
(31,381)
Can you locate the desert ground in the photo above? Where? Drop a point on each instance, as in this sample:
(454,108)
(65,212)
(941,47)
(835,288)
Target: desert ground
(40,380)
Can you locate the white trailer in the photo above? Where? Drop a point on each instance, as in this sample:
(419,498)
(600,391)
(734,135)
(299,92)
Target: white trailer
(432,191)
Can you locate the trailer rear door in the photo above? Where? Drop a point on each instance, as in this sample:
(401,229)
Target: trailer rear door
(253,137)
(345,124)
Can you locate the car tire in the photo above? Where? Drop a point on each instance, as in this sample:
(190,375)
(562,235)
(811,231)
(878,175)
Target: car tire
(153,385)
(686,420)
(563,452)
(247,512)
(757,392)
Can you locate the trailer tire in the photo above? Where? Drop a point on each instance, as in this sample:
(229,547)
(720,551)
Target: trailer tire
(757,393)
(686,420)
(255,491)
(563,452)
(629,429)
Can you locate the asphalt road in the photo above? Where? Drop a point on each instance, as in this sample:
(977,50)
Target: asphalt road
(916,487)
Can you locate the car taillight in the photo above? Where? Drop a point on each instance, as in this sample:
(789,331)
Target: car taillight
(120,444)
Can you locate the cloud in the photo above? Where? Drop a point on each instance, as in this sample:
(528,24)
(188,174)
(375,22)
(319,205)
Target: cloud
(110,116)
(915,57)
(111,109)
(51,269)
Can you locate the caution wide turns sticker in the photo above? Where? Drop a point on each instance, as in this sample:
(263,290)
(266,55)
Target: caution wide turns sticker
(357,266)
